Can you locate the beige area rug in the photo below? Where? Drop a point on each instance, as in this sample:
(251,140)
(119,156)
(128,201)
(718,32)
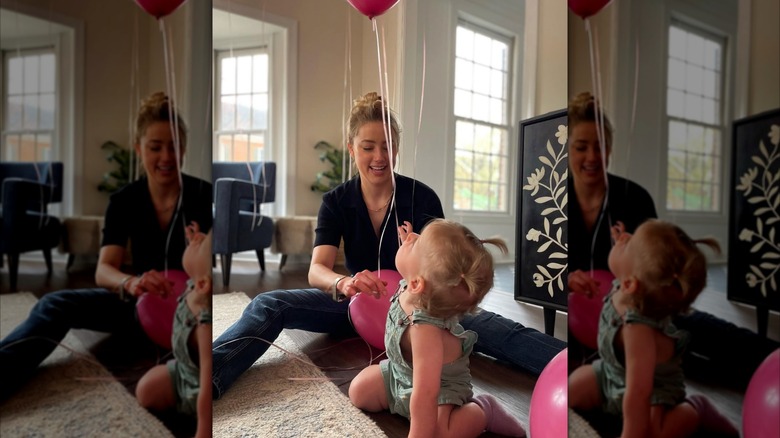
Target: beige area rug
(70,396)
(263,402)
(579,428)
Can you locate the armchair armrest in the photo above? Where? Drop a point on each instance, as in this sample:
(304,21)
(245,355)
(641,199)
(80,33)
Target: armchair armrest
(21,195)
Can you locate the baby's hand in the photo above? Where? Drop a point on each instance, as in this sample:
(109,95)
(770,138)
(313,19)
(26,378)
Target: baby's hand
(404,230)
(617,230)
(191,230)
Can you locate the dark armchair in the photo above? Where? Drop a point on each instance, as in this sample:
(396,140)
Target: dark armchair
(25,225)
(238,195)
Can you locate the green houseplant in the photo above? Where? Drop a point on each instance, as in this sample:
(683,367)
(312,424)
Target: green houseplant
(329,179)
(120,176)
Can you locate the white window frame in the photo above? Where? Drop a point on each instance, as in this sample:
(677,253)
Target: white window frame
(720,125)
(268,132)
(68,41)
(283,78)
(507,126)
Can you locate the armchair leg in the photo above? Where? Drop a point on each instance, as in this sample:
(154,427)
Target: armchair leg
(226,259)
(47,257)
(283,261)
(71,259)
(13,269)
(2,257)
(261,258)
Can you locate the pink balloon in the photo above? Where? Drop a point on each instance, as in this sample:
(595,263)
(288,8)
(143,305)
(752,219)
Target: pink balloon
(369,314)
(156,313)
(584,312)
(159,8)
(586,8)
(372,8)
(761,406)
(549,411)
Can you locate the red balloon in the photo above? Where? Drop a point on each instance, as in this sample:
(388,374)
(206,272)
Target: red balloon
(159,8)
(372,8)
(761,406)
(156,313)
(369,314)
(549,411)
(584,311)
(586,8)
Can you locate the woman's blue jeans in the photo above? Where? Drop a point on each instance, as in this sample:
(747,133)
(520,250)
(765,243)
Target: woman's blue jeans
(50,319)
(314,311)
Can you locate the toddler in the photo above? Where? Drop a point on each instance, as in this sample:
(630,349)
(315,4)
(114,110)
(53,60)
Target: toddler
(446,272)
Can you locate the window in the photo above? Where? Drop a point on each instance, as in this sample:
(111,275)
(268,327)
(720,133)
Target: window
(243,105)
(694,120)
(29,125)
(482,108)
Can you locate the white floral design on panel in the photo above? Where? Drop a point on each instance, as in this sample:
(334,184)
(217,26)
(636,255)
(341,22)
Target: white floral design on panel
(761,187)
(548,186)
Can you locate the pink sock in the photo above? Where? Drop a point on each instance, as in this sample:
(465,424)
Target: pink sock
(498,420)
(710,420)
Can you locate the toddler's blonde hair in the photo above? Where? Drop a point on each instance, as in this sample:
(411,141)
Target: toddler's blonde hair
(457,268)
(671,269)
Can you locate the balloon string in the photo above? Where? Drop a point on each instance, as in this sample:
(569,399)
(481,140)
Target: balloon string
(419,126)
(346,158)
(174,123)
(596,80)
(633,106)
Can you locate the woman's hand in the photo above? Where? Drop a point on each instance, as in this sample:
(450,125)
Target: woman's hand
(152,282)
(581,282)
(364,281)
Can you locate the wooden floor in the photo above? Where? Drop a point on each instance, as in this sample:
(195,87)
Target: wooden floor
(512,387)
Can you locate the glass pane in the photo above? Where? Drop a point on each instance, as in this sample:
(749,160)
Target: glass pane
(695,49)
(465,43)
(709,107)
(675,103)
(260,111)
(499,141)
(464,76)
(677,135)
(500,51)
(15,75)
(696,167)
(715,197)
(695,138)
(224,147)
(227,113)
(228,79)
(243,111)
(693,107)
(15,112)
(481,107)
(675,168)
(27,150)
(47,111)
(44,147)
(462,196)
(497,111)
(464,136)
(482,139)
(463,105)
(482,168)
(676,74)
(257,146)
(260,71)
(674,195)
(497,84)
(708,162)
(241,147)
(482,49)
(712,55)
(30,112)
(693,195)
(709,86)
(48,74)
(481,79)
(677,43)
(693,79)
(244,76)
(13,144)
(706,197)
(464,165)
(481,197)
(31,74)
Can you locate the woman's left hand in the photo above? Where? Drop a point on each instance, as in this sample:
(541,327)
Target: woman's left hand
(366,281)
(152,282)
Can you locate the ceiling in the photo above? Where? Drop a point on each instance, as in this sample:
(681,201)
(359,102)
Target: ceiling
(16,25)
